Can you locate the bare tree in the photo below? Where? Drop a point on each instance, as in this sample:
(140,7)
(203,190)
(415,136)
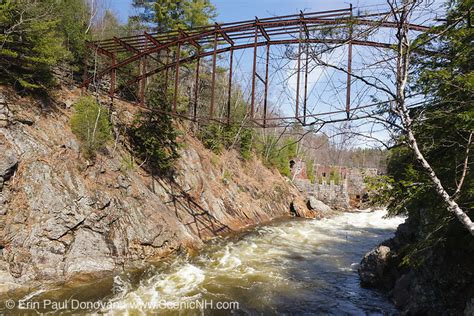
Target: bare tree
(403,62)
(398,117)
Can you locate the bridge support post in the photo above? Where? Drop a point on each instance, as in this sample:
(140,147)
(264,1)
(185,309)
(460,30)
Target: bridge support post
(254,73)
(267,62)
(176,78)
(297,110)
(196,89)
(113,72)
(167,60)
(305,83)
(229,92)
(143,80)
(349,68)
(213,83)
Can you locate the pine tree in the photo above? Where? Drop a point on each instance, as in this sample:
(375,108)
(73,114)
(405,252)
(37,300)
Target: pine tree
(29,42)
(165,15)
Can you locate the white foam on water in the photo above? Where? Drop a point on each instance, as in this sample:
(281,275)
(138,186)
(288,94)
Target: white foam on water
(229,261)
(182,282)
(29,296)
(260,260)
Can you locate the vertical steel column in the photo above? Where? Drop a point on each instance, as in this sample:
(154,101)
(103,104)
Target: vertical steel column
(267,61)
(254,73)
(196,88)
(229,92)
(213,83)
(112,77)
(306,83)
(176,78)
(167,52)
(297,112)
(349,69)
(143,79)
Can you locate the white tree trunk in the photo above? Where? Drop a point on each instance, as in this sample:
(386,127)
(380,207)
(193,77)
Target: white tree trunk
(402,79)
(452,205)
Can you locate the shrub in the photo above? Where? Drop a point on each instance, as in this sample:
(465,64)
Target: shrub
(335,176)
(212,137)
(153,139)
(310,170)
(246,143)
(277,156)
(90,123)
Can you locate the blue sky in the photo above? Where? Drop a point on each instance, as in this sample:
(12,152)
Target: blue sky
(231,10)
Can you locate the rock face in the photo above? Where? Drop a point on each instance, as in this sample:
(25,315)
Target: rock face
(8,165)
(374,268)
(441,283)
(62,218)
(5,114)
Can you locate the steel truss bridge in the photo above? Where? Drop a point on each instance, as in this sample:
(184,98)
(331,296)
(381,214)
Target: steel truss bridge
(221,41)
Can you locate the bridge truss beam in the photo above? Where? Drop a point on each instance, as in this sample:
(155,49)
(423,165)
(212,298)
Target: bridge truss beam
(214,40)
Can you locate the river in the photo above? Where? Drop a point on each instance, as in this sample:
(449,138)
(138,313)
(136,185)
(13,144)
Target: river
(294,266)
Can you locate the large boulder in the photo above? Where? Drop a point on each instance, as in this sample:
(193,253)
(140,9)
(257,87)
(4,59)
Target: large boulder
(316,205)
(374,269)
(299,209)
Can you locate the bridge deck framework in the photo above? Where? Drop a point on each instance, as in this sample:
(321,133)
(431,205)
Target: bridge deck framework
(213,40)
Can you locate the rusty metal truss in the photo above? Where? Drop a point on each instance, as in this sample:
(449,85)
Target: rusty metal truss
(214,40)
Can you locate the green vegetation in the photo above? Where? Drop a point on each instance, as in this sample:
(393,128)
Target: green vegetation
(444,136)
(153,139)
(334,175)
(29,43)
(167,15)
(275,155)
(90,123)
(73,25)
(212,137)
(246,143)
(310,170)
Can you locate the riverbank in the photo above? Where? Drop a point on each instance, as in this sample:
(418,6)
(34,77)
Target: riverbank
(423,281)
(66,219)
(290,265)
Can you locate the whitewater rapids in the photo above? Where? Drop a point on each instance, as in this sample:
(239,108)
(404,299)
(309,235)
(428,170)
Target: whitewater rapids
(293,266)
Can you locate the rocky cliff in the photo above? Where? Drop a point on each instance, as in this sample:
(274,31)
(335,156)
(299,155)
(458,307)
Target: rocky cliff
(63,217)
(434,281)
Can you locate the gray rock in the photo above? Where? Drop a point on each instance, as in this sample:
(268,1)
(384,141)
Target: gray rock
(89,252)
(122,182)
(469,310)
(316,205)
(68,103)
(8,164)
(373,269)
(401,292)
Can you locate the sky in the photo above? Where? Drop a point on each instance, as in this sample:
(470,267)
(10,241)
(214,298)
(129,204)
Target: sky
(232,10)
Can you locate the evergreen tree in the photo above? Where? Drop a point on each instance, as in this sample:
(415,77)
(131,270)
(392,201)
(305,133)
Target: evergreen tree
(74,22)
(153,137)
(444,135)
(165,15)
(30,43)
